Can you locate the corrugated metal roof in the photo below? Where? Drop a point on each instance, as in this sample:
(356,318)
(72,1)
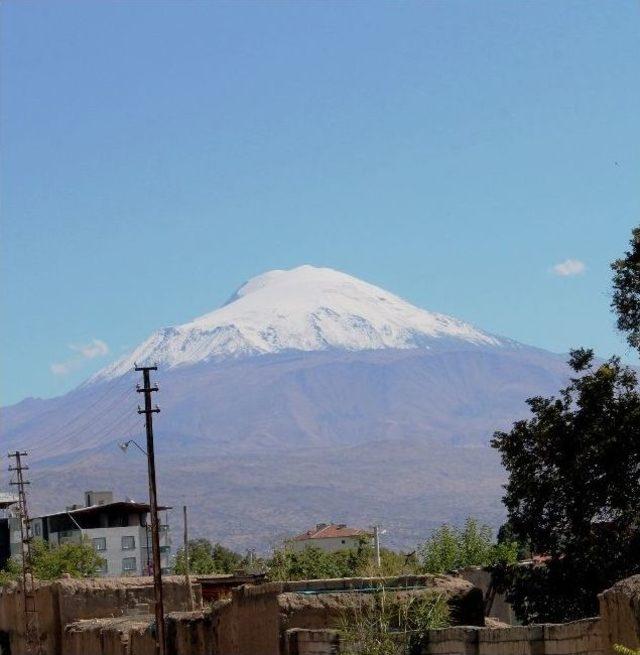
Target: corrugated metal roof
(122,505)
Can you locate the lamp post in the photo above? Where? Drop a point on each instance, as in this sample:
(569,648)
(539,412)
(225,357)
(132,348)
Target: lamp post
(124,446)
(376,539)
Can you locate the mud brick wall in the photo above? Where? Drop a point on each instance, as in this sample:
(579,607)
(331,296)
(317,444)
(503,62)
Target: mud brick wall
(64,602)
(620,613)
(576,638)
(312,642)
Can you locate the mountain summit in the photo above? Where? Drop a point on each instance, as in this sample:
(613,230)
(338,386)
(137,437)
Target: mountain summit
(302,309)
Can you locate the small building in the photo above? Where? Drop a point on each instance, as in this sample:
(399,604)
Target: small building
(118,530)
(330,537)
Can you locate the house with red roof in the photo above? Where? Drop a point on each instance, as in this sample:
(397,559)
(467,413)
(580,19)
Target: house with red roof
(330,537)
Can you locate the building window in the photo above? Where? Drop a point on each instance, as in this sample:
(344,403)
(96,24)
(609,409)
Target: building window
(37,529)
(128,564)
(343,541)
(128,543)
(100,543)
(103,568)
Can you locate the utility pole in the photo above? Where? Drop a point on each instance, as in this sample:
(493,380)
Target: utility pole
(187,577)
(149,411)
(251,554)
(31,624)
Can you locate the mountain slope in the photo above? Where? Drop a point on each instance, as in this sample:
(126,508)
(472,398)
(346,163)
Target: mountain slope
(378,412)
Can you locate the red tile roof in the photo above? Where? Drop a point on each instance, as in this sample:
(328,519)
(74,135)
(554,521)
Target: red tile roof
(331,531)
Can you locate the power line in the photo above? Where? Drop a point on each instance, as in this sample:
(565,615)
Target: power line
(91,420)
(83,412)
(104,430)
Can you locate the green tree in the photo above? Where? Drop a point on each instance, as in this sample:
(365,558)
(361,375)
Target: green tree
(312,563)
(77,560)
(573,492)
(206,558)
(441,552)
(52,562)
(451,548)
(626,291)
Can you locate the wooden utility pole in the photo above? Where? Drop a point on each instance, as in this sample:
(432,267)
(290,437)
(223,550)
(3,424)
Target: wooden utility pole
(187,577)
(149,411)
(31,624)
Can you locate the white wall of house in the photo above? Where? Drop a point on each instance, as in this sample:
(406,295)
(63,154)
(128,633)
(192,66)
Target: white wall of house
(327,544)
(119,557)
(124,549)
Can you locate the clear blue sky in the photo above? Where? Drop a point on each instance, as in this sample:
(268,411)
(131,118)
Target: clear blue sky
(157,154)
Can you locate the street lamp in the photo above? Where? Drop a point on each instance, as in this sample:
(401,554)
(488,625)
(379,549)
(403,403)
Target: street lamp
(124,446)
(376,538)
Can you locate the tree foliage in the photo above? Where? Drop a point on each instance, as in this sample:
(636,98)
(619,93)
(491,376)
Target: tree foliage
(52,562)
(626,291)
(573,492)
(451,548)
(206,558)
(312,563)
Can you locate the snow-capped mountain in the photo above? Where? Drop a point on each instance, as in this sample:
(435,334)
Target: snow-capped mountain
(303,309)
(281,409)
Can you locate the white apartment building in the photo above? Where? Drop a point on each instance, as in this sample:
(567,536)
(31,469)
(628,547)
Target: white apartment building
(119,531)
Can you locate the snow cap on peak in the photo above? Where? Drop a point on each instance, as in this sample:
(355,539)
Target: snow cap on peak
(306,308)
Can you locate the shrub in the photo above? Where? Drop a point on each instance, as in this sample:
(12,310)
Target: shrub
(388,625)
